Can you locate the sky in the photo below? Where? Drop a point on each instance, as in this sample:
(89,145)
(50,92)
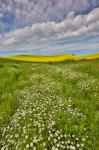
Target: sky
(48,27)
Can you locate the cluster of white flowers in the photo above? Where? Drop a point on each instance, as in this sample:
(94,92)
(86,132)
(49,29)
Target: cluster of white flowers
(88,84)
(82,80)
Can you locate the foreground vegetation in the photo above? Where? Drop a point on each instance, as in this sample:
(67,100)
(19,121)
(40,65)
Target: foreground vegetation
(52,106)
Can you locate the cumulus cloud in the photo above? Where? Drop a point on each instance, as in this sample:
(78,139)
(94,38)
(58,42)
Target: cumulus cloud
(28,12)
(52,35)
(49,25)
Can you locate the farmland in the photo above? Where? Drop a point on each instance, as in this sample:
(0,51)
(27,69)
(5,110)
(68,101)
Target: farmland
(51,58)
(49,106)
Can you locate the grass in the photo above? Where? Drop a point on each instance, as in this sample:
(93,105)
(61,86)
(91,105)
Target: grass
(49,106)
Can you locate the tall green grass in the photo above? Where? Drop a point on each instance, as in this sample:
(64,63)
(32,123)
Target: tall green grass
(68,92)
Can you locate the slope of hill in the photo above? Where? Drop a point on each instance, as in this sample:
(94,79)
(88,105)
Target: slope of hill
(54,58)
(91,56)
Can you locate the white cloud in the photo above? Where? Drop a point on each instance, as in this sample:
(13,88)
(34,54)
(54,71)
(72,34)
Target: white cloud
(33,11)
(41,35)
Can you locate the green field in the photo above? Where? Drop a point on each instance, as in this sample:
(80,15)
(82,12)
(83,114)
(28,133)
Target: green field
(49,106)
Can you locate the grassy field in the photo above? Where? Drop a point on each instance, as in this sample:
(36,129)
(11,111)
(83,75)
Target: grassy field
(49,106)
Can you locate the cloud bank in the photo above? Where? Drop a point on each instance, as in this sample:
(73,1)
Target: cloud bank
(43,26)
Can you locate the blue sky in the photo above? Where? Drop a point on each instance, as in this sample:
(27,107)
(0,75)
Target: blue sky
(49,27)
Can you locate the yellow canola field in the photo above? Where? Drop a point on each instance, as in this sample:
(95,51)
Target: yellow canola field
(55,58)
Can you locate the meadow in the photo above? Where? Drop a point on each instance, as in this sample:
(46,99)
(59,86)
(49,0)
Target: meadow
(49,106)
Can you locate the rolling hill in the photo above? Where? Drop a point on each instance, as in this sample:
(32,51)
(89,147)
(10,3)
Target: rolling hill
(54,58)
